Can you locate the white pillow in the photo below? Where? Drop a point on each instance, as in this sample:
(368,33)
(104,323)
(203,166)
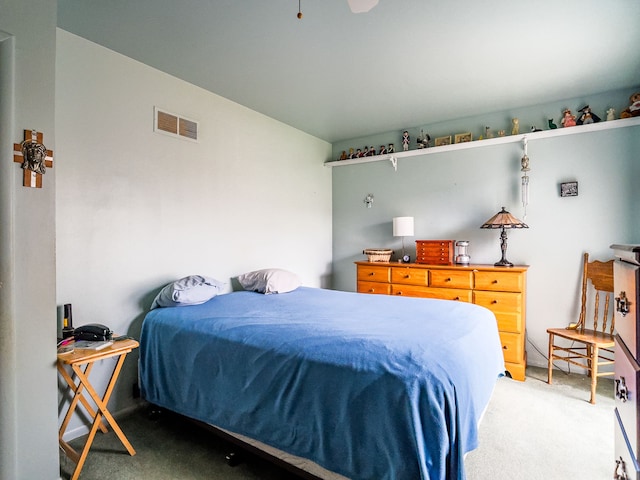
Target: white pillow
(191,290)
(269,280)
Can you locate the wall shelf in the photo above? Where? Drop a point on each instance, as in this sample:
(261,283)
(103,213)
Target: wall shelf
(558,132)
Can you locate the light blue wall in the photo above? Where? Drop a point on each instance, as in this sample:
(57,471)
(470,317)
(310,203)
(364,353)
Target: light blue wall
(451,194)
(137,209)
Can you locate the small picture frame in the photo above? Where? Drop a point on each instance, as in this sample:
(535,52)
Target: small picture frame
(463,137)
(569,189)
(443,141)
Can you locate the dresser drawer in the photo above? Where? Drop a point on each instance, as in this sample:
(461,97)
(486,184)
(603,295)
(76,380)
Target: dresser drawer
(625,460)
(451,278)
(498,281)
(374,287)
(409,276)
(406,290)
(499,302)
(448,294)
(627,373)
(512,347)
(509,322)
(371,273)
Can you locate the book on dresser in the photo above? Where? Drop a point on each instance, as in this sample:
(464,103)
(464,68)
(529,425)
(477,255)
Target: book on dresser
(500,289)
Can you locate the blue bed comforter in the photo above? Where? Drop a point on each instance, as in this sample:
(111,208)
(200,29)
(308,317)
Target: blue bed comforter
(369,386)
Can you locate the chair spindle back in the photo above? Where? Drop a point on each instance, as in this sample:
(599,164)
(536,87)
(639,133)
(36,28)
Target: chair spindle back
(600,275)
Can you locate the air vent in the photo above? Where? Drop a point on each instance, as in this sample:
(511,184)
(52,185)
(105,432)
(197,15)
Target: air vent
(175,125)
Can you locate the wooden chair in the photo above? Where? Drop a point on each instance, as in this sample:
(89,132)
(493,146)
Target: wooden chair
(594,346)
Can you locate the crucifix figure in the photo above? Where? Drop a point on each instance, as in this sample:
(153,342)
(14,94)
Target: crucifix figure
(34,157)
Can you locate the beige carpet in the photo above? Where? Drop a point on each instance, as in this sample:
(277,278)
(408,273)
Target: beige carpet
(530,431)
(535,431)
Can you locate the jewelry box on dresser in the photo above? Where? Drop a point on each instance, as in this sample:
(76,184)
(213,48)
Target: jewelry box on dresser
(502,290)
(626,278)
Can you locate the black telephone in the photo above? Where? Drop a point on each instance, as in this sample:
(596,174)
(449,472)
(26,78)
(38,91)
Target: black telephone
(93,332)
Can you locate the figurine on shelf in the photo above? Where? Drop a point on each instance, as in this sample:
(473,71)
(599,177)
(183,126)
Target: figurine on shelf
(535,129)
(552,126)
(365,152)
(391,148)
(611,114)
(515,126)
(587,116)
(358,153)
(383,150)
(405,140)
(487,132)
(423,140)
(351,154)
(343,155)
(633,110)
(501,133)
(372,151)
(568,119)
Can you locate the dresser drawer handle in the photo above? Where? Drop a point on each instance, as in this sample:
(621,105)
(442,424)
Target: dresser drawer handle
(448,279)
(494,302)
(495,282)
(371,274)
(398,293)
(504,347)
(407,276)
(372,290)
(622,393)
(457,298)
(620,465)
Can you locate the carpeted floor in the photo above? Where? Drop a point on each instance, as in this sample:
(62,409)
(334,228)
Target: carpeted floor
(530,431)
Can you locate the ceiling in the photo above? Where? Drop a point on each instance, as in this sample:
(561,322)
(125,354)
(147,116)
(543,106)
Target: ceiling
(339,75)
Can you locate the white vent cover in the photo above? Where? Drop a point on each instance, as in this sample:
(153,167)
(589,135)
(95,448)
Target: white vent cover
(174,125)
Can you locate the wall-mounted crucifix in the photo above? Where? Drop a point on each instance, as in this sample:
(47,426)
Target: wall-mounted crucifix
(34,157)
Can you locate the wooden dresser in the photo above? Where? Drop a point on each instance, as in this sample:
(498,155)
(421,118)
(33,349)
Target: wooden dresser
(502,290)
(626,288)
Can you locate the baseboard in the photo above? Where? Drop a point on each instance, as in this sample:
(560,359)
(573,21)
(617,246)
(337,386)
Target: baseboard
(84,429)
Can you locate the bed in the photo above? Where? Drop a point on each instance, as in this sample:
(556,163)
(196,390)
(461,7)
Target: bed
(366,386)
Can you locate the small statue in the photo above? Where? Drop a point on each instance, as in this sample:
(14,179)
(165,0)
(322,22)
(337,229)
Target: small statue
(372,151)
(487,132)
(383,150)
(552,126)
(501,133)
(611,114)
(568,119)
(535,129)
(391,148)
(405,140)
(343,155)
(633,110)
(351,154)
(358,153)
(423,140)
(515,126)
(587,116)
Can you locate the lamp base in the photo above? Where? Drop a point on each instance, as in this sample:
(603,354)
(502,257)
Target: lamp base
(503,263)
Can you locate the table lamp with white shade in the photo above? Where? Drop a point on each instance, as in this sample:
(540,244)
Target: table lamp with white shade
(403,227)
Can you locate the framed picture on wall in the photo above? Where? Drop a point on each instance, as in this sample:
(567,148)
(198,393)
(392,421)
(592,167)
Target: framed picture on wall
(569,189)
